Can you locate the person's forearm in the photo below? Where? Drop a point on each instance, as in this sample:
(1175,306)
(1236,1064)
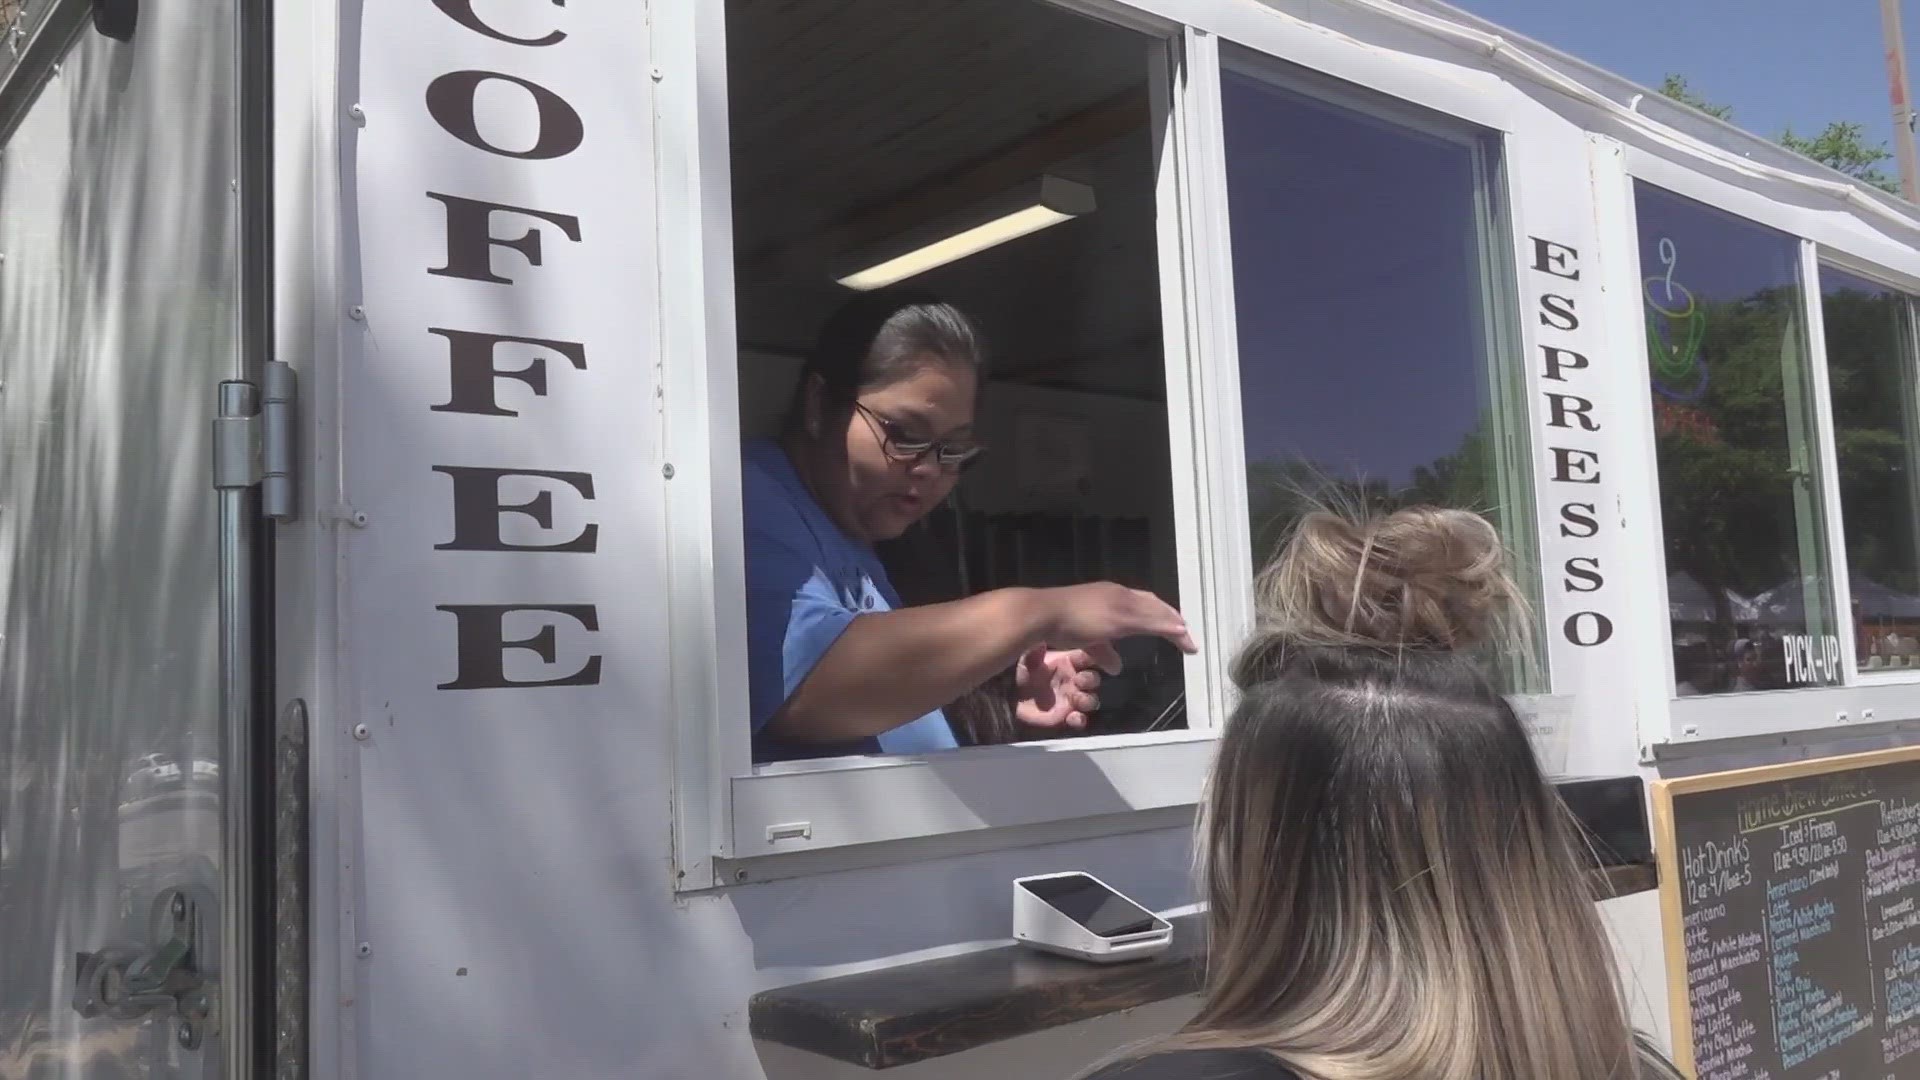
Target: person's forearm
(889,669)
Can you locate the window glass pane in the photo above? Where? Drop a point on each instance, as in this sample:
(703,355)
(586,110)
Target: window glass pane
(1740,500)
(1373,285)
(1870,367)
(867,130)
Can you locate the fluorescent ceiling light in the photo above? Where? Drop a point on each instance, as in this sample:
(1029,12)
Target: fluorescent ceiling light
(1047,203)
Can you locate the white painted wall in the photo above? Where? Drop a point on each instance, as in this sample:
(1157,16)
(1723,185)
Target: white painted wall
(1633,923)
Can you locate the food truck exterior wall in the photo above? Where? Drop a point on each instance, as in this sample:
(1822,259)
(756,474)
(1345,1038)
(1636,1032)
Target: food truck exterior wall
(493,216)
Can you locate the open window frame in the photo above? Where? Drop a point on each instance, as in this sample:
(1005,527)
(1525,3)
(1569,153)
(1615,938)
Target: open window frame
(1506,393)
(1827,236)
(735,823)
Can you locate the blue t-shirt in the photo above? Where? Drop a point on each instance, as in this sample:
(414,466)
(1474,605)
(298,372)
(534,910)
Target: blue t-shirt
(806,582)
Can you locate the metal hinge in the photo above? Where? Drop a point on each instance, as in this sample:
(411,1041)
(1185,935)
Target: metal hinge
(254,439)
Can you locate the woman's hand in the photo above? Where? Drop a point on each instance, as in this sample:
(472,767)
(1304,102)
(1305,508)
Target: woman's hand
(1095,615)
(1056,690)
(1057,683)
(890,667)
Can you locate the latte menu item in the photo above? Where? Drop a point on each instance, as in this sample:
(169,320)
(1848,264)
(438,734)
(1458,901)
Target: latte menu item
(1791,909)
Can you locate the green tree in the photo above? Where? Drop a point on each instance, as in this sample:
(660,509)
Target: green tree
(1726,491)
(1675,87)
(1280,490)
(1840,145)
(1844,146)
(1865,330)
(1726,478)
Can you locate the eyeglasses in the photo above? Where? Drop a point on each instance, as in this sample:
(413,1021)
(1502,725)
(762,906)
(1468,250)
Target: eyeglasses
(901,446)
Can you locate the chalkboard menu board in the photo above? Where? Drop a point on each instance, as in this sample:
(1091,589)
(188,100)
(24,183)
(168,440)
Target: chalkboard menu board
(1789,907)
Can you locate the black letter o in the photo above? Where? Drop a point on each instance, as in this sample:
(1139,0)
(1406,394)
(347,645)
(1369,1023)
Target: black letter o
(450,101)
(1602,628)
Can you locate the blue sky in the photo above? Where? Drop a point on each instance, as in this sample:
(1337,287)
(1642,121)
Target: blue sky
(1779,63)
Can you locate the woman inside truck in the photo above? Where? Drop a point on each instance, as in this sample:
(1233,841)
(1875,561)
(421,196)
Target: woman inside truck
(879,430)
(1396,892)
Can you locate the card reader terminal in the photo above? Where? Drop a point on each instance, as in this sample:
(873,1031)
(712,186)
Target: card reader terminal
(1076,914)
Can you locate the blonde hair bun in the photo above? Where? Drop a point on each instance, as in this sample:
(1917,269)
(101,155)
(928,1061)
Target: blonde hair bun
(1423,577)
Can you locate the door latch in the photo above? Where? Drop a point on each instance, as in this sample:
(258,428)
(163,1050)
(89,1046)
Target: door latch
(125,983)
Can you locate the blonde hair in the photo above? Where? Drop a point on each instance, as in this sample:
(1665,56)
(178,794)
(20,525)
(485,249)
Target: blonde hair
(1396,891)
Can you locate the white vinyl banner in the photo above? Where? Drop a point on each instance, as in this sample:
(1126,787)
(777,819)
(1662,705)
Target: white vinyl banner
(501,619)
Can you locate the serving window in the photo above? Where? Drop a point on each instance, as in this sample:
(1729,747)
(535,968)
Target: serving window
(1261,281)
(869,140)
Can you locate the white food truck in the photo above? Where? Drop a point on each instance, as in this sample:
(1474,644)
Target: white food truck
(373,377)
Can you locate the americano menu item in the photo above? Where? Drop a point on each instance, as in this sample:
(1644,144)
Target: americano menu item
(1788,899)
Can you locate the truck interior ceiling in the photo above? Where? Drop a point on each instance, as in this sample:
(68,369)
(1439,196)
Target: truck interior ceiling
(863,131)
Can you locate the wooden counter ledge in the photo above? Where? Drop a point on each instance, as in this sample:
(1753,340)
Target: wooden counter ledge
(901,1015)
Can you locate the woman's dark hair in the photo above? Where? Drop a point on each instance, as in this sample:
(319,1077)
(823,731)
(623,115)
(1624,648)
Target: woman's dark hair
(881,337)
(875,339)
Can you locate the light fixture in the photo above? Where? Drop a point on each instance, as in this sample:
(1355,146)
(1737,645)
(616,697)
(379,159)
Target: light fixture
(1045,202)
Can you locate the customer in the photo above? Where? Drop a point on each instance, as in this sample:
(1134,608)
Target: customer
(1396,891)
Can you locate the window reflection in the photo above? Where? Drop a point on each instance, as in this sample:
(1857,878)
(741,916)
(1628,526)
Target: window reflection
(1748,593)
(1869,330)
(1372,276)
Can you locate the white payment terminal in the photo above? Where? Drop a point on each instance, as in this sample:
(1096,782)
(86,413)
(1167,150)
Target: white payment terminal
(1078,915)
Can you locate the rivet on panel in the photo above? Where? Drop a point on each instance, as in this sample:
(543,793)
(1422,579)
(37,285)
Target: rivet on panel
(667,470)
(358,114)
(361,732)
(357,313)
(366,950)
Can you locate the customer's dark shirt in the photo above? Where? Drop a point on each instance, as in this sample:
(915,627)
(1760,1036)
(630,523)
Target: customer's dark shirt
(1199,1065)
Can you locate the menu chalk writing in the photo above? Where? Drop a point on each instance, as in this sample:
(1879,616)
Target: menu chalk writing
(1792,917)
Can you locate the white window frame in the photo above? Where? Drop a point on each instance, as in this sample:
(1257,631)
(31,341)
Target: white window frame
(1512,338)
(1833,235)
(1463,89)
(734,823)
(1819,258)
